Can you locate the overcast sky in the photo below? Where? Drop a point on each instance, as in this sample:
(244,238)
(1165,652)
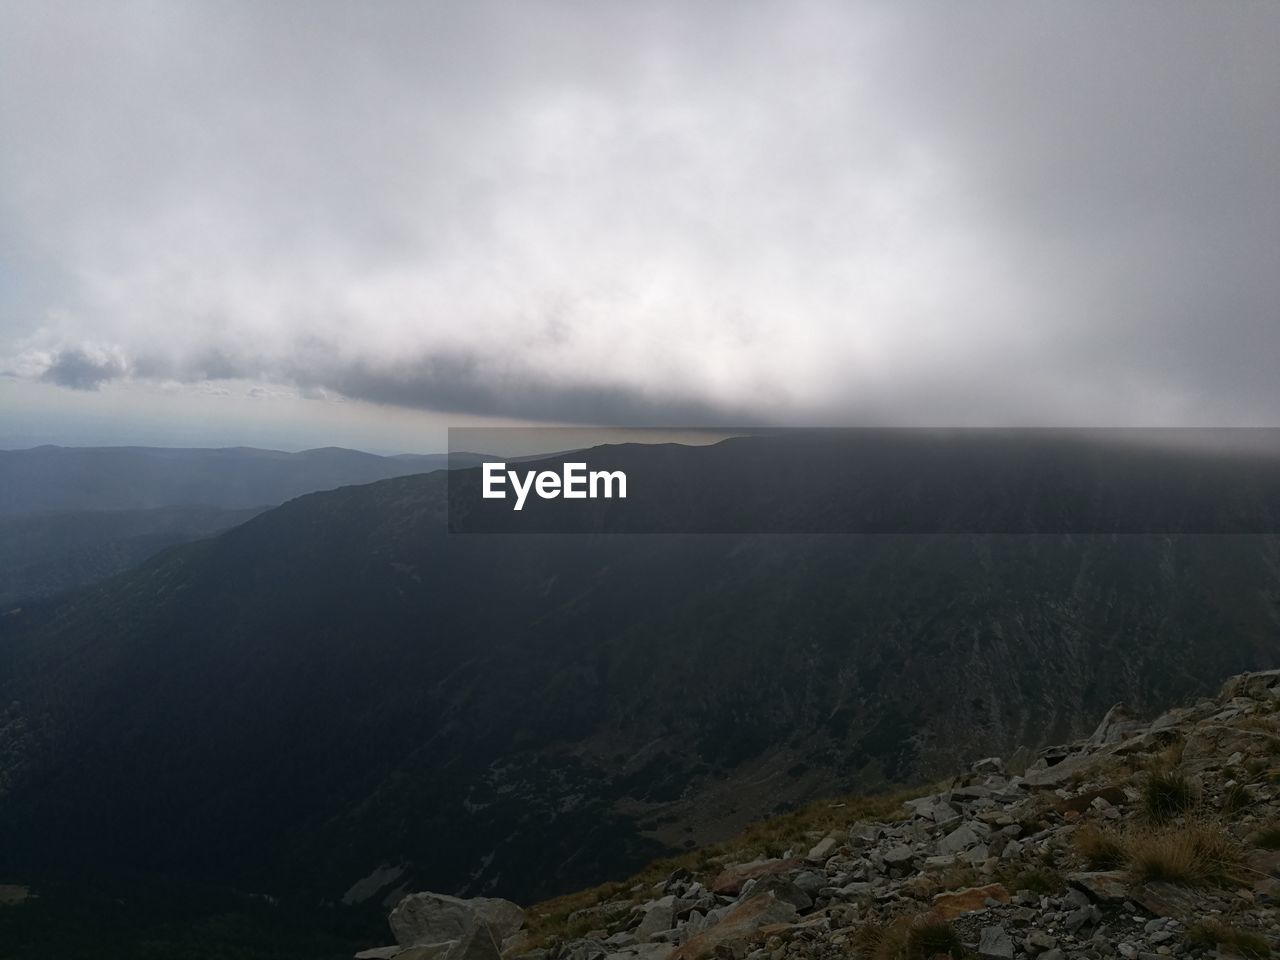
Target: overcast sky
(321,222)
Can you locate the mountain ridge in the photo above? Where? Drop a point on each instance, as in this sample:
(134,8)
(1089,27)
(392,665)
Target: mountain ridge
(349,685)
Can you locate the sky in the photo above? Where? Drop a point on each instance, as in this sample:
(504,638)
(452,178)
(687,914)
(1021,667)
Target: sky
(300,224)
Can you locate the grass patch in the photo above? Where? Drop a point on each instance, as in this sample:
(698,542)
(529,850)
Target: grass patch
(1235,799)
(1188,853)
(1166,795)
(1171,755)
(1209,934)
(823,817)
(1100,849)
(549,920)
(907,938)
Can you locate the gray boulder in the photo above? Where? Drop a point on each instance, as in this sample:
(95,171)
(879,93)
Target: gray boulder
(995,944)
(423,918)
(960,839)
(658,917)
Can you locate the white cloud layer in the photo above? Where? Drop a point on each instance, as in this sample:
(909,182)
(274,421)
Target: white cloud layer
(662,213)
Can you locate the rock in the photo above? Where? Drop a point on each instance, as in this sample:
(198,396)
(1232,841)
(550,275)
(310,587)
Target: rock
(943,812)
(658,917)
(426,951)
(1105,886)
(1037,941)
(988,765)
(976,855)
(958,840)
(810,881)
(1117,724)
(730,880)
(857,889)
(1167,900)
(822,850)
(933,808)
(1081,917)
(436,917)
(784,889)
(865,833)
(1212,742)
(1264,868)
(1058,774)
(732,933)
(899,855)
(1054,954)
(994,942)
(475,943)
(378,953)
(587,950)
(1018,762)
(1076,898)
(922,886)
(1083,801)
(948,906)
(971,791)
(1259,685)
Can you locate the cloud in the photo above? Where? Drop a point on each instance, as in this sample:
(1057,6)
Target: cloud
(662,213)
(76,369)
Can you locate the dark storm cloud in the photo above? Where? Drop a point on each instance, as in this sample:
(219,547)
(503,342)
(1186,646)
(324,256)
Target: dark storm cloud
(76,369)
(664,212)
(457,385)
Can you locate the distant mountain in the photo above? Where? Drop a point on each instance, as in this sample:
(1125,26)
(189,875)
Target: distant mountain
(339,683)
(48,479)
(47,553)
(72,515)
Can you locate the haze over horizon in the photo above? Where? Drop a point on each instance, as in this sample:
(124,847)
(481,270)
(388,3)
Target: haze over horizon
(295,226)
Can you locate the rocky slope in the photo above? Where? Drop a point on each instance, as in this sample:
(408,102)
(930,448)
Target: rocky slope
(1144,840)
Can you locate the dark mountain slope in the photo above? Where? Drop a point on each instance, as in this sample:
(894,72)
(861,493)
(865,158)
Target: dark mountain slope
(72,515)
(338,683)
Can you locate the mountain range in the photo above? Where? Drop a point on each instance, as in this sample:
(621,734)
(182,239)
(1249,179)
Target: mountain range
(339,685)
(72,515)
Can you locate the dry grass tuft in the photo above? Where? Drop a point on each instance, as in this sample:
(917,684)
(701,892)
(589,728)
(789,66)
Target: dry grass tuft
(1210,934)
(1100,849)
(1166,795)
(907,938)
(1188,853)
(1235,799)
(1042,879)
(1171,755)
